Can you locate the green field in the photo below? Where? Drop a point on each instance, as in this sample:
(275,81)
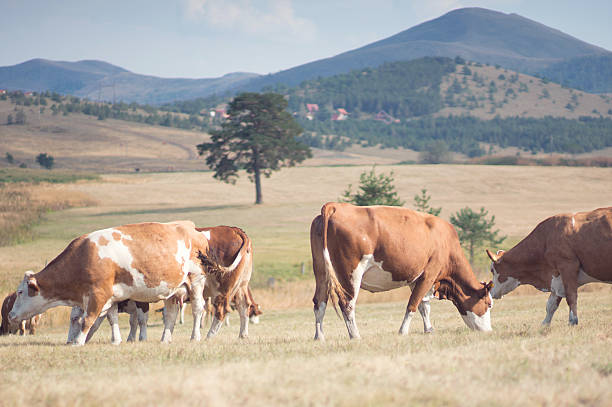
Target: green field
(280,364)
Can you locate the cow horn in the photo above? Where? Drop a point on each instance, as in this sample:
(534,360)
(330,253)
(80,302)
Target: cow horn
(492,256)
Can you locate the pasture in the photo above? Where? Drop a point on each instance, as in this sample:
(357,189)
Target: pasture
(518,363)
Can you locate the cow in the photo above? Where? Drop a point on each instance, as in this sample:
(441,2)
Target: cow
(562,253)
(226,245)
(379,248)
(144,262)
(7,328)
(230,246)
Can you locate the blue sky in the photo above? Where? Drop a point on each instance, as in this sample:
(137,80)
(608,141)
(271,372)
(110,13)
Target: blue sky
(209,38)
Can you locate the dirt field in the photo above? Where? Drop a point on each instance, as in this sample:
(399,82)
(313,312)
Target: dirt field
(517,364)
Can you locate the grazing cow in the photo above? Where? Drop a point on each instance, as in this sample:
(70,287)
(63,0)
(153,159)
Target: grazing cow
(228,246)
(562,253)
(7,328)
(379,248)
(144,262)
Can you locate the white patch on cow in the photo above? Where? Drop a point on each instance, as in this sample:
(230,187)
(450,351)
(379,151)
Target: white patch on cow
(117,251)
(319,314)
(373,277)
(478,323)
(557,287)
(206,234)
(500,289)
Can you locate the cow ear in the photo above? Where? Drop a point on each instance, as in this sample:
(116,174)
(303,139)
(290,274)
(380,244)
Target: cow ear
(438,292)
(33,284)
(489,286)
(493,257)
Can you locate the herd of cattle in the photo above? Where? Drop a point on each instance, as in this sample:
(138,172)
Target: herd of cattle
(377,248)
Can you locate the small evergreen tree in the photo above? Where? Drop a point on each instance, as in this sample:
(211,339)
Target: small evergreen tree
(373,190)
(474,229)
(9,158)
(9,119)
(45,160)
(421,203)
(20,117)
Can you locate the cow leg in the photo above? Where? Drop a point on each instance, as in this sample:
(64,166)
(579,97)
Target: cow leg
(215,325)
(197,306)
(94,308)
(551,306)
(143,317)
(76,321)
(568,270)
(93,328)
(133,325)
(242,305)
(182,313)
(424,310)
(348,307)
(171,308)
(113,319)
(418,293)
(22,328)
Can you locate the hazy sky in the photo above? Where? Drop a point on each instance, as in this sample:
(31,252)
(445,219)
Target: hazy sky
(209,38)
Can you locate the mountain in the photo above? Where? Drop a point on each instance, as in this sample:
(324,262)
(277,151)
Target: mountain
(475,34)
(97,80)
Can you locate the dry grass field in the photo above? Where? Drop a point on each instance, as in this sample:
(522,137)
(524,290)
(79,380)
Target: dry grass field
(280,364)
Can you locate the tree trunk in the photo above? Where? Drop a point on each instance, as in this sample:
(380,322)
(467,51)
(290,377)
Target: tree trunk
(257,176)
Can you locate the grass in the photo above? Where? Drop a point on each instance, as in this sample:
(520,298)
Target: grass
(24,175)
(519,363)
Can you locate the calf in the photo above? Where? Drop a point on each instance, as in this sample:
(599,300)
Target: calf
(562,253)
(145,262)
(379,248)
(7,328)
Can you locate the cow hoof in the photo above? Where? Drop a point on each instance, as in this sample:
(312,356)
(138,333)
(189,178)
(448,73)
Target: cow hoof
(429,331)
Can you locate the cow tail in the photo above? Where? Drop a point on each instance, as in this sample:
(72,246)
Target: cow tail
(334,288)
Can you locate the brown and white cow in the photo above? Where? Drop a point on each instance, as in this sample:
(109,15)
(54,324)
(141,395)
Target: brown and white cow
(226,245)
(144,262)
(231,248)
(7,328)
(562,253)
(379,248)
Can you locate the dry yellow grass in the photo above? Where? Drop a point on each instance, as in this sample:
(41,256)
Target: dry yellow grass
(517,364)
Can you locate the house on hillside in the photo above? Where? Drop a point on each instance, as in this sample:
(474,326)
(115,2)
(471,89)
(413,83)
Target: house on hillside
(341,114)
(2,91)
(386,117)
(312,109)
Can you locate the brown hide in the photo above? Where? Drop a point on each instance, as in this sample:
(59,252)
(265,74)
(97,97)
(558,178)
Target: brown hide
(566,241)
(414,247)
(6,328)
(225,243)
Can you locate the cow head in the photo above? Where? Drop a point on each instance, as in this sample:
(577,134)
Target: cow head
(29,301)
(503,281)
(474,304)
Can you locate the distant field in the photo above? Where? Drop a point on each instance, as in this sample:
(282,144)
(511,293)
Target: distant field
(519,197)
